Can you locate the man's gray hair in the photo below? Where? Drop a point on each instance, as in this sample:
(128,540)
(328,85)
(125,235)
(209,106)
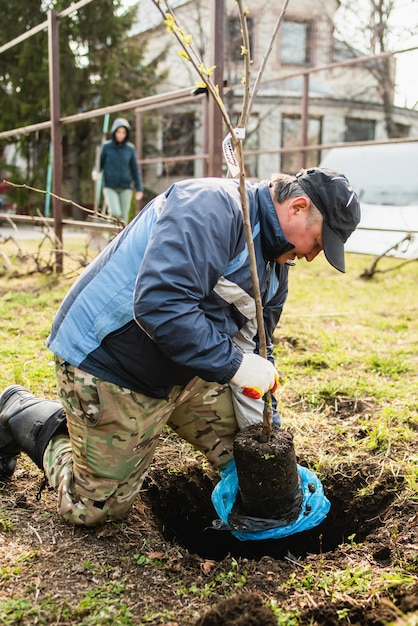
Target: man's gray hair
(287,186)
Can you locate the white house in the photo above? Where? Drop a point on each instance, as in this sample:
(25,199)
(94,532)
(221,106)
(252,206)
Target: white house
(343,103)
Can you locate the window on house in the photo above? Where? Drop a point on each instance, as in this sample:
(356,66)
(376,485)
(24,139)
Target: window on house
(235,38)
(357,129)
(296,43)
(178,140)
(402,130)
(291,136)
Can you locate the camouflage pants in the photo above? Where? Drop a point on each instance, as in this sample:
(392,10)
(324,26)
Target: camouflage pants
(113,432)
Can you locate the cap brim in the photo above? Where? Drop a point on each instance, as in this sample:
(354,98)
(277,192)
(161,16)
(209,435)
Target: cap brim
(333,248)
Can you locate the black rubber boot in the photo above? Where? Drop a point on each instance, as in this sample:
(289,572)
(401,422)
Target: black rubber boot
(26,423)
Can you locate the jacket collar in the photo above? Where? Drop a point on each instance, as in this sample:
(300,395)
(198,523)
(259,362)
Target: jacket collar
(273,240)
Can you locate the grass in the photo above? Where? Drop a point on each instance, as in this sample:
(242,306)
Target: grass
(343,340)
(99,607)
(27,306)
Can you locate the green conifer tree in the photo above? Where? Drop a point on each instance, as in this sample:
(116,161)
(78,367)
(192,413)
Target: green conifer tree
(100,65)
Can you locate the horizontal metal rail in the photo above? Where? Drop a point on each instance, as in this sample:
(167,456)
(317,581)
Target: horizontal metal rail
(44,221)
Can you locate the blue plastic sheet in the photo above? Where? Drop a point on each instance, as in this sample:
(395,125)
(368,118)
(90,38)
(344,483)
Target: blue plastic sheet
(314,508)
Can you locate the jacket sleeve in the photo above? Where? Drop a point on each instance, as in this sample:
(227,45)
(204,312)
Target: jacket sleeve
(102,157)
(136,174)
(192,242)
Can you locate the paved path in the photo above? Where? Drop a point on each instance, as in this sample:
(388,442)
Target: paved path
(31,231)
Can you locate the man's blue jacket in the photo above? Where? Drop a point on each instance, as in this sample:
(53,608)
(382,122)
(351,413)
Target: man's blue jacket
(171,296)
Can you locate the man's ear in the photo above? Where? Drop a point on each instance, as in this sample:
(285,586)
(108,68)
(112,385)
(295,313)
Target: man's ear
(298,204)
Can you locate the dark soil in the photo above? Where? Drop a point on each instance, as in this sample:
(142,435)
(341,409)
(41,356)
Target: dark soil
(241,610)
(176,569)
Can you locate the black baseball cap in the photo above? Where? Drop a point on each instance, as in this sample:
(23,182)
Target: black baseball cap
(333,195)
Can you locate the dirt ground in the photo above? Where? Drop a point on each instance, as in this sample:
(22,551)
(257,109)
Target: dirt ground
(177,569)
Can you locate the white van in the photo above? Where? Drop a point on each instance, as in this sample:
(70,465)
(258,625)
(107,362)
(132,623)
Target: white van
(385,178)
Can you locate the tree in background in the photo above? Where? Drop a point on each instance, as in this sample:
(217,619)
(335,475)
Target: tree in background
(369,25)
(24,96)
(99,66)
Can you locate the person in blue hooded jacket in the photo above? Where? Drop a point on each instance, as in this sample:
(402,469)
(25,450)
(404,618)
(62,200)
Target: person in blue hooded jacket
(160,330)
(119,165)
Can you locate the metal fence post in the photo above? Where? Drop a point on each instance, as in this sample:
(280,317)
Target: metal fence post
(215,126)
(54,100)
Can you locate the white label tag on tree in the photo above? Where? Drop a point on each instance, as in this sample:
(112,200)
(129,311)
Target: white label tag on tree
(229,154)
(229,151)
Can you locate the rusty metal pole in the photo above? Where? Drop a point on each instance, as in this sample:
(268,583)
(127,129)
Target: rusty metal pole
(205,135)
(215,127)
(305,119)
(54,103)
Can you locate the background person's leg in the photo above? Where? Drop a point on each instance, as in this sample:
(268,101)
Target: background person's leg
(112,200)
(125,198)
(207,421)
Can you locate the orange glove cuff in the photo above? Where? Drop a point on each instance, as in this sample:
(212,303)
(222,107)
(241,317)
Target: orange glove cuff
(252,392)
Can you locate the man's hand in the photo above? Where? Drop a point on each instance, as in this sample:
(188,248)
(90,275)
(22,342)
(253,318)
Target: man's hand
(255,376)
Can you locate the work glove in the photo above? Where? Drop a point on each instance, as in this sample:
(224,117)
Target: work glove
(255,376)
